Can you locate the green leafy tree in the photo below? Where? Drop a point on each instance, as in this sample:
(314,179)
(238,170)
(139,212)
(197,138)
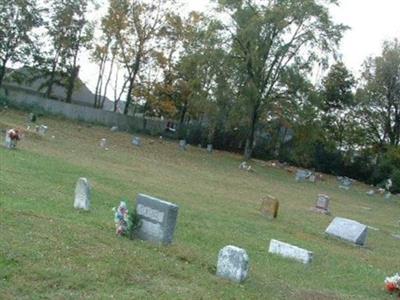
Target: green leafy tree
(380,96)
(337,101)
(70,32)
(269,37)
(17,41)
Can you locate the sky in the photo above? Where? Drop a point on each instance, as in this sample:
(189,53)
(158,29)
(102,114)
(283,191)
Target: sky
(371,22)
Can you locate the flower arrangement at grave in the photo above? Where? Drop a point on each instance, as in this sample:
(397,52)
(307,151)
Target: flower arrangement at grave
(392,284)
(126,223)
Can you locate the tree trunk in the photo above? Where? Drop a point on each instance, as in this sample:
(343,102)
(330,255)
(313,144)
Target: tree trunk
(107,82)
(2,73)
(132,81)
(183,113)
(52,75)
(248,151)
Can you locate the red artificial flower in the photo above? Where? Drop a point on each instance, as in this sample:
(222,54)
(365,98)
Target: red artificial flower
(391,287)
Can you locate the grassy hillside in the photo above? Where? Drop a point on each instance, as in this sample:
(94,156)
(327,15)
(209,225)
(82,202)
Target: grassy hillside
(49,250)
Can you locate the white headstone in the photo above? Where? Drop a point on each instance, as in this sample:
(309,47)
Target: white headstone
(82,194)
(42,129)
(136,141)
(290,251)
(233,263)
(209,148)
(348,230)
(182,144)
(103,143)
(114,128)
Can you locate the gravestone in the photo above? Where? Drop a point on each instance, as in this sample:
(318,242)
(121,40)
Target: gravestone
(182,144)
(290,251)
(136,141)
(114,129)
(345,183)
(388,195)
(371,193)
(82,194)
(245,166)
(269,207)
(209,148)
(233,263)
(348,230)
(32,118)
(303,175)
(42,129)
(158,219)
(322,205)
(103,143)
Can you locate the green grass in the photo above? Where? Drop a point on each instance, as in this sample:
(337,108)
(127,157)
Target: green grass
(48,250)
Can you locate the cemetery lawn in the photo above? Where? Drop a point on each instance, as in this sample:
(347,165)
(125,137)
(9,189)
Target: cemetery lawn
(48,250)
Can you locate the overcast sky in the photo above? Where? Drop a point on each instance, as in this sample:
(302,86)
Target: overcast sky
(371,22)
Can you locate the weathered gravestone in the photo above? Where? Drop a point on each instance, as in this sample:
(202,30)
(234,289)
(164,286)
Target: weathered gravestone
(269,207)
(290,251)
(182,144)
(82,194)
(42,129)
(304,175)
(103,143)
(233,263)
(322,205)
(158,219)
(371,193)
(345,183)
(136,141)
(32,118)
(114,129)
(209,148)
(348,230)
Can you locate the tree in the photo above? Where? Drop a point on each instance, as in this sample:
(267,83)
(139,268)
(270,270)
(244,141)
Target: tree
(137,23)
(18,19)
(380,96)
(268,38)
(69,32)
(337,99)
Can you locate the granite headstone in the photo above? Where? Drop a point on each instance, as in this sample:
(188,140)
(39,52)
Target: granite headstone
(158,219)
(348,230)
(233,263)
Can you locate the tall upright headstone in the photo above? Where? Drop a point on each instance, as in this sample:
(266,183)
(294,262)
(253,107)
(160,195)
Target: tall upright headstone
(233,263)
(209,148)
(348,230)
(82,194)
(158,219)
(103,143)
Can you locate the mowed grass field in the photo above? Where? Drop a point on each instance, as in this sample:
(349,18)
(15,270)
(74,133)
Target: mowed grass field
(48,250)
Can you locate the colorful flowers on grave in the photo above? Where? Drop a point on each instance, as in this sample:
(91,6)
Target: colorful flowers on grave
(125,222)
(392,284)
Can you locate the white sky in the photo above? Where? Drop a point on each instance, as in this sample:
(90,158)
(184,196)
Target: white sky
(371,22)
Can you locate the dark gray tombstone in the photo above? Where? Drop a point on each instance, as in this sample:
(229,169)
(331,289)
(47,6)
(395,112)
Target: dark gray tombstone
(348,230)
(233,263)
(158,219)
